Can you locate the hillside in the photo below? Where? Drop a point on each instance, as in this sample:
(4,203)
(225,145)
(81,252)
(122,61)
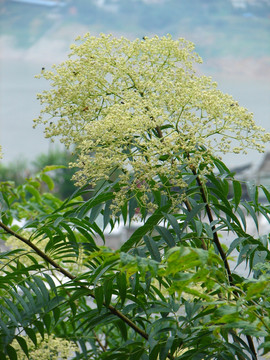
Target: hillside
(218,27)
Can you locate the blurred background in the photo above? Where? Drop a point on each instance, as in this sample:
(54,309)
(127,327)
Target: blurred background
(232,37)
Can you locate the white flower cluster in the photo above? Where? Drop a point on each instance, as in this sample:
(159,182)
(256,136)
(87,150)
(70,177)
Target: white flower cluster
(48,348)
(139,107)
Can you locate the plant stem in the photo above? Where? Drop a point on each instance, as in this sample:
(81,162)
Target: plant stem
(99,342)
(221,252)
(215,236)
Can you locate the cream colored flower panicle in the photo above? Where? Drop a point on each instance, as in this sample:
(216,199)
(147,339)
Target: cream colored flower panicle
(138,106)
(47,348)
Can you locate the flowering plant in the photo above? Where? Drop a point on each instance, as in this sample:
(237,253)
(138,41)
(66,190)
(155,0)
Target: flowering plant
(138,107)
(147,131)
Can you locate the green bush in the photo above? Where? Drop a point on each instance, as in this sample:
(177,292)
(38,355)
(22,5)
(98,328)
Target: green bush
(61,175)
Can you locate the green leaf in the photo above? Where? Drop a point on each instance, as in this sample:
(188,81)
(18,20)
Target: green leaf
(158,292)
(42,287)
(99,232)
(256,289)
(174,224)
(11,353)
(245,252)
(252,213)
(164,351)
(39,297)
(199,227)
(190,215)
(152,248)
(85,230)
(154,352)
(73,307)
(236,242)
(221,166)
(53,167)
(124,212)
(95,212)
(227,210)
(22,302)
(32,190)
(147,227)
(10,316)
(51,283)
(123,329)
(30,332)
(5,329)
(237,191)
(108,288)
(96,200)
(100,270)
(40,326)
(122,286)
(259,257)
(221,195)
(56,314)
(22,344)
(132,206)
(252,192)
(242,217)
(99,297)
(266,193)
(166,235)
(47,322)
(30,297)
(14,309)
(48,181)
(107,214)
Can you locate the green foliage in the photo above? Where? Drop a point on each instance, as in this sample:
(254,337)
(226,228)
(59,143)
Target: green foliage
(56,161)
(62,174)
(162,295)
(16,172)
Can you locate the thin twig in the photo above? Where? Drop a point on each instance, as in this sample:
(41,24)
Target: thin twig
(99,342)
